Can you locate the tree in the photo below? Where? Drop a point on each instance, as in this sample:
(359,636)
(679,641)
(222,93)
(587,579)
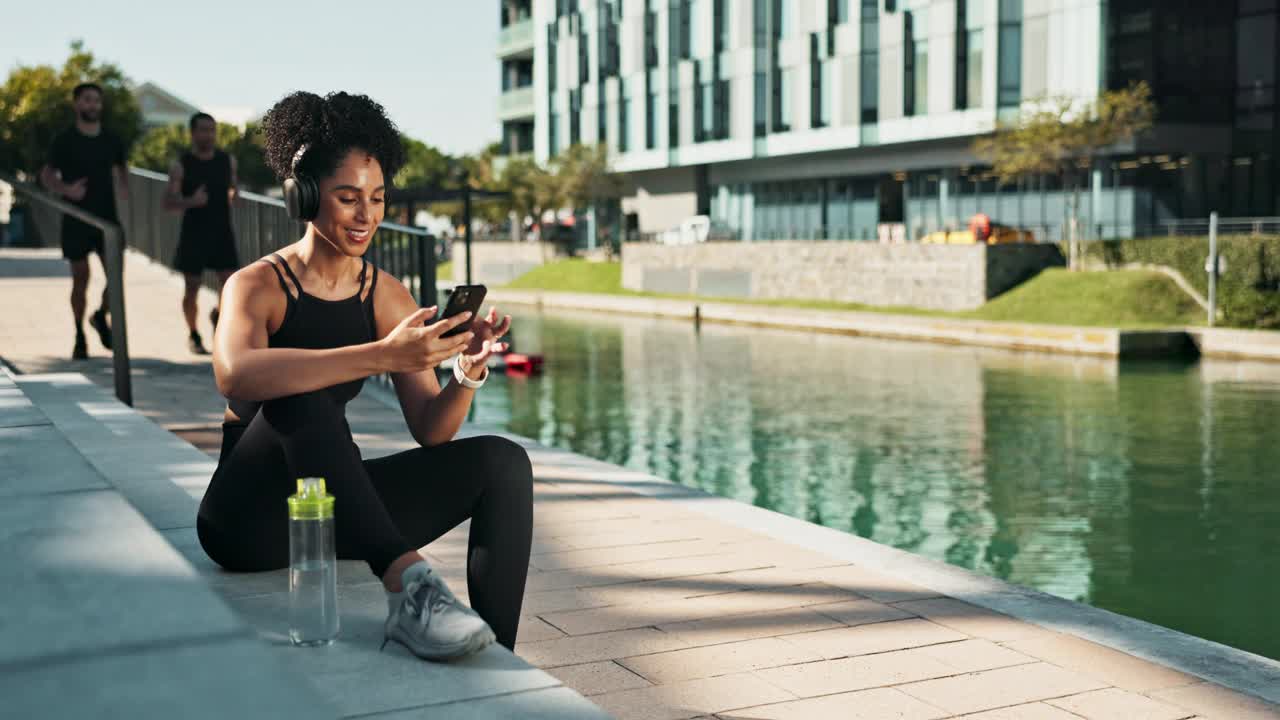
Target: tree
(584,176)
(533,188)
(35,105)
(424,165)
(1062,136)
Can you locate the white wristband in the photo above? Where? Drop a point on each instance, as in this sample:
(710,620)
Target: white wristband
(461,376)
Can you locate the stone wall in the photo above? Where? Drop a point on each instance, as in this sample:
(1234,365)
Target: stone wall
(937,277)
(498,263)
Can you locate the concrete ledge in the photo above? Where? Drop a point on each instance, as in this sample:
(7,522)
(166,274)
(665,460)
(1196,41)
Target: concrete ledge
(1232,343)
(90,577)
(100,616)
(1103,342)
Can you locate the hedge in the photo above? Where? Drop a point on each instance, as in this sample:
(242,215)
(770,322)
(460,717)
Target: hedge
(1248,289)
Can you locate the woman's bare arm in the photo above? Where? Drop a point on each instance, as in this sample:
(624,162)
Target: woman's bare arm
(246,369)
(433,415)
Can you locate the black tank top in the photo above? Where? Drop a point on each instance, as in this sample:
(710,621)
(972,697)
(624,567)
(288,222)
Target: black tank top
(312,323)
(215,175)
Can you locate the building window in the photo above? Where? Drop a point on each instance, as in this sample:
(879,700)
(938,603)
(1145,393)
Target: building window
(1009,58)
(553,137)
(684,26)
(584,58)
(720,25)
(968,54)
(909,85)
(624,115)
(602,116)
(650,37)
(819,84)
(782,81)
(869,63)
(552,37)
(760,80)
(761,105)
(1256,67)
(650,112)
(575,116)
(786,88)
(838,11)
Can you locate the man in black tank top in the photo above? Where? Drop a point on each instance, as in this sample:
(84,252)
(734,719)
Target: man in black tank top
(202,183)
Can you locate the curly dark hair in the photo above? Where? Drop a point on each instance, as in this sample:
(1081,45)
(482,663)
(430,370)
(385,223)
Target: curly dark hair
(331,126)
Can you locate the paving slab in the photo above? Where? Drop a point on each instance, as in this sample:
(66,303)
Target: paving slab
(998,688)
(599,677)
(84,572)
(38,460)
(213,680)
(1117,704)
(690,698)
(864,705)
(559,703)
(358,678)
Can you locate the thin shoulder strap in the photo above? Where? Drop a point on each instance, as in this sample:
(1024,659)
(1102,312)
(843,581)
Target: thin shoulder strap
(364,267)
(283,285)
(289,271)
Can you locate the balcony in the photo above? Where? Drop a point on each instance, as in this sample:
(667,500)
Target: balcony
(516,104)
(516,39)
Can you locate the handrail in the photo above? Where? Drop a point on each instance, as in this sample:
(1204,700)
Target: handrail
(268,200)
(114,249)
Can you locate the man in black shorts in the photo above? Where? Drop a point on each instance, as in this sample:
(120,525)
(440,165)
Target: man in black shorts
(79,168)
(202,183)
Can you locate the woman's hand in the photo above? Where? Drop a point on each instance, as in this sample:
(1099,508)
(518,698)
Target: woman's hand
(410,347)
(485,331)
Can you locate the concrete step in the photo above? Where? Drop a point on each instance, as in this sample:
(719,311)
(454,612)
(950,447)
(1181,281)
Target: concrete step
(100,615)
(111,590)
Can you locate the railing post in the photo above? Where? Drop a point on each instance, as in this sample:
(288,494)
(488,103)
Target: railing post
(466,222)
(119,327)
(426,271)
(1212,266)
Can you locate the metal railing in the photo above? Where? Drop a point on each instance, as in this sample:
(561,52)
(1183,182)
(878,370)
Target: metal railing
(113,246)
(516,103)
(516,37)
(262,226)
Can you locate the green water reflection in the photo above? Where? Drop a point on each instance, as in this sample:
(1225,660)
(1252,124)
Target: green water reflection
(1146,489)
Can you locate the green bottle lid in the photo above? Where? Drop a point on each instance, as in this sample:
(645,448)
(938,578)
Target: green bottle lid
(311,502)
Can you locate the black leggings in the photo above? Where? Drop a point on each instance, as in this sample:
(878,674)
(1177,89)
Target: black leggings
(384,507)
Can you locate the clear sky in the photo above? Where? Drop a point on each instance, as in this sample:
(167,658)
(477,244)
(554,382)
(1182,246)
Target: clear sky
(431,63)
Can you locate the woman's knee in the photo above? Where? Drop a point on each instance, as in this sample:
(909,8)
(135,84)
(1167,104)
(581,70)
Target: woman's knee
(506,464)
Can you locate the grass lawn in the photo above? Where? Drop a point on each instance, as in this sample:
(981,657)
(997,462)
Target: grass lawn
(444,272)
(1121,298)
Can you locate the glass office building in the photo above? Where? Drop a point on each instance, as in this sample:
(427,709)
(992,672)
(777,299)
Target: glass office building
(825,119)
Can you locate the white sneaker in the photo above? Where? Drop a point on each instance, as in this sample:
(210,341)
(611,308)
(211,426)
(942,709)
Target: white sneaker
(430,621)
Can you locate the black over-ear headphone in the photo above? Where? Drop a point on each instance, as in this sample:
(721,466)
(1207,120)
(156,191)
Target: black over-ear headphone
(301,192)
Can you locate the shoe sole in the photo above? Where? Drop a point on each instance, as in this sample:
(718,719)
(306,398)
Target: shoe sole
(471,645)
(104,331)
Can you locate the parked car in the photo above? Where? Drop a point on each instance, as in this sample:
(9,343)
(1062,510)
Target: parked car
(696,229)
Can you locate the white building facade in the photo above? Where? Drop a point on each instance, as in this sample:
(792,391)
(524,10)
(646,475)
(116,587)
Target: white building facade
(822,119)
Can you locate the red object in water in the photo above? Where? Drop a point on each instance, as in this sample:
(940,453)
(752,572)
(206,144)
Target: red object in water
(521,364)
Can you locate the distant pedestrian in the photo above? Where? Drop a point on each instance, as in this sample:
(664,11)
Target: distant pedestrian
(202,183)
(79,168)
(6,205)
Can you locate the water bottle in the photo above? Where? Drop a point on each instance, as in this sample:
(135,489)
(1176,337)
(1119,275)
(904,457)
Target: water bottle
(313,565)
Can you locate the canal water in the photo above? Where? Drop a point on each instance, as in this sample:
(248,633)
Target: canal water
(1148,489)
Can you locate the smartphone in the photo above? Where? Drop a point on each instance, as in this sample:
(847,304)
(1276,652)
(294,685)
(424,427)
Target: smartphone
(464,298)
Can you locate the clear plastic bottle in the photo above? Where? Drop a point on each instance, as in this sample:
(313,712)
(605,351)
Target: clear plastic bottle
(313,565)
